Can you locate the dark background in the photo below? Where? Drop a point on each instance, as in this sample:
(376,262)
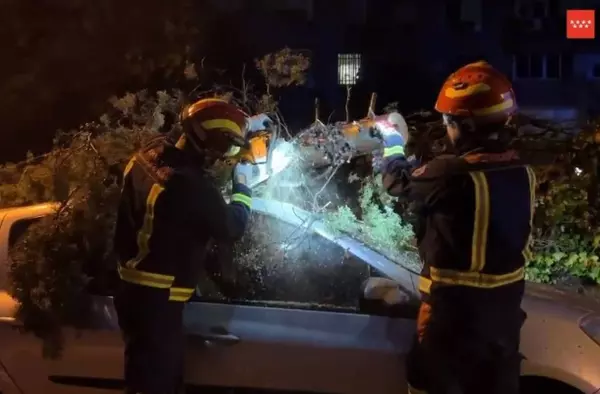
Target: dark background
(55,72)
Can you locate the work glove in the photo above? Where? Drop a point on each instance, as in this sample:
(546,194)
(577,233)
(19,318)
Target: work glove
(393,142)
(258,123)
(244,173)
(385,290)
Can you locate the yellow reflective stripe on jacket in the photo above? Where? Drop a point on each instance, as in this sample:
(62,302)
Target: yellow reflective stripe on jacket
(481,221)
(145,232)
(242,198)
(181,294)
(393,150)
(475,279)
(128,167)
(144,278)
(157,281)
(527,254)
(126,172)
(469,279)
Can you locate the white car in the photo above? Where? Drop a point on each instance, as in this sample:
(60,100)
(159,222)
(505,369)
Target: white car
(299,327)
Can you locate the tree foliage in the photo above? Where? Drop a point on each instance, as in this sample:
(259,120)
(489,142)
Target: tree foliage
(283,68)
(63,59)
(566,236)
(72,250)
(375,223)
(63,253)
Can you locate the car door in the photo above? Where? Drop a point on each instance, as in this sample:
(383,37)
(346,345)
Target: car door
(92,361)
(295,325)
(92,358)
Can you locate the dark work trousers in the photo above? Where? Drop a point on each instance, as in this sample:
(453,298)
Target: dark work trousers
(152,329)
(451,357)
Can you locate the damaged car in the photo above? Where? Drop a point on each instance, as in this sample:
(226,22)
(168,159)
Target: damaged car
(312,312)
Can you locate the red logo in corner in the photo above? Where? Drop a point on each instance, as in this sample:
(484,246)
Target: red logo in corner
(581,24)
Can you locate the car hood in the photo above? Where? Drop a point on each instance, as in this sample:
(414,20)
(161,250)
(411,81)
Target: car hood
(561,296)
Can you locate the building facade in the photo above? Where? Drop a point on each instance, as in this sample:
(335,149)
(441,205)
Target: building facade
(404,49)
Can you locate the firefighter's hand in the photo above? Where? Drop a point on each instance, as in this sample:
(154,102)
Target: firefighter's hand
(259,122)
(394,133)
(393,142)
(243,173)
(391,137)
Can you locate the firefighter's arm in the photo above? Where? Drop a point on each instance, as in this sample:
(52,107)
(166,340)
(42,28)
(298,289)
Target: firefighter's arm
(396,176)
(395,169)
(425,184)
(206,211)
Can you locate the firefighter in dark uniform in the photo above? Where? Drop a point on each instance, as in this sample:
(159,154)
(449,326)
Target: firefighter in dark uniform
(475,211)
(168,212)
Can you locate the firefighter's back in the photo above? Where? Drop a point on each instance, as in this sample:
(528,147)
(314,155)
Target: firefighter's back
(152,242)
(477,235)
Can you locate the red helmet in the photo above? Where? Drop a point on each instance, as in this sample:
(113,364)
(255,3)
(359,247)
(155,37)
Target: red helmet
(477,91)
(215,124)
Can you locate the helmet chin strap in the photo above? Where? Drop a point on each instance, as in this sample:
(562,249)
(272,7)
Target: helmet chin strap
(181,142)
(201,156)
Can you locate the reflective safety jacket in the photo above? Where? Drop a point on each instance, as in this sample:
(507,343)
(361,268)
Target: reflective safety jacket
(475,216)
(169,211)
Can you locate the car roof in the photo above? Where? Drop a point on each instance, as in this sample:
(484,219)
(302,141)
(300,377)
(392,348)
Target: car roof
(31,210)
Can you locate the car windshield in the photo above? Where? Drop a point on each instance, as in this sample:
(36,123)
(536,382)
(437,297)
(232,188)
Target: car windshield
(289,262)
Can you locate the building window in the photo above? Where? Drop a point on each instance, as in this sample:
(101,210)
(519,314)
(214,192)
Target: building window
(539,67)
(464,15)
(553,66)
(348,68)
(532,9)
(566,66)
(405,13)
(536,66)
(539,9)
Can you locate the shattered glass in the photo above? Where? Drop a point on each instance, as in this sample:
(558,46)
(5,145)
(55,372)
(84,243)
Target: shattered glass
(278,263)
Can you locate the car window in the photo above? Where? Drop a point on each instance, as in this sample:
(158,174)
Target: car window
(279,264)
(18,229)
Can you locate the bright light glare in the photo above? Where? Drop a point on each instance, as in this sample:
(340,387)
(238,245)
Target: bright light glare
(260,175)
(578,171)
(281,157)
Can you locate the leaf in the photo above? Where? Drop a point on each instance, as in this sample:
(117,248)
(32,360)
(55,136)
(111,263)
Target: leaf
(595,274)
(557,256)
(51,263)
(571,260)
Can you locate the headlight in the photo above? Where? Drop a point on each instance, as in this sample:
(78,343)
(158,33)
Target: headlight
(590,324)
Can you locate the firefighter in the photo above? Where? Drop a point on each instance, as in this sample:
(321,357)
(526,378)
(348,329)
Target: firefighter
(168,212)
(475,211)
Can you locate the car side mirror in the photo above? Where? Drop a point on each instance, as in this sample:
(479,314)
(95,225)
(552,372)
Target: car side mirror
(385,297)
